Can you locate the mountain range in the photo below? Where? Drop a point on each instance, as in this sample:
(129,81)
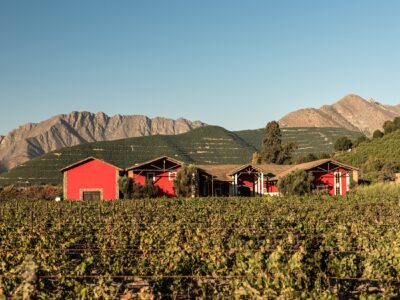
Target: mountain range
(351,112)
(35,139)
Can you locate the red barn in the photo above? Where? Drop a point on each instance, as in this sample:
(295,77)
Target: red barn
(91,179)
(160,171)
(329,175)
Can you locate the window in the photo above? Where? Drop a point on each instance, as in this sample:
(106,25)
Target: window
(338,183)
(151,177)
(171,176)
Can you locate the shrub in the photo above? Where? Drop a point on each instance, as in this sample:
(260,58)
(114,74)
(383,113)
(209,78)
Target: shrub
(184,183)
(296,183)
(377,134)
(343,144)
(42,192)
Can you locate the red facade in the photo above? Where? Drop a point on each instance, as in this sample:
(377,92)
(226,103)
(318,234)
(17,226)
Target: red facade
(91,177)
(164,181)
(161,172)
(335,182)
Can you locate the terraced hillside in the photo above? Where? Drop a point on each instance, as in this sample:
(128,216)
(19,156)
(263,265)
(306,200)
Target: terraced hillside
(210,145)
(309,139)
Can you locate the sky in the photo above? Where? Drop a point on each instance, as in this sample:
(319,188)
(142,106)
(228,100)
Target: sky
(237,64)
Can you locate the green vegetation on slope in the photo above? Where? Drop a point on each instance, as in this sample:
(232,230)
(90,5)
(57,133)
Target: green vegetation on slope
(286,248)
(378,158)
(309,139)
(206,145)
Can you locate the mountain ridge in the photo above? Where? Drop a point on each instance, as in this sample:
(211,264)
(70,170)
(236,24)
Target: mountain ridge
(351,112)
(64,130)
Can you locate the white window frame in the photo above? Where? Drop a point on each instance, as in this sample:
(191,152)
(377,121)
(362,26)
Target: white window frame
(335,183)
(151,173)
(171,178)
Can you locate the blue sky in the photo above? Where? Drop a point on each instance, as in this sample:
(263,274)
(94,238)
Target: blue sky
(232,63)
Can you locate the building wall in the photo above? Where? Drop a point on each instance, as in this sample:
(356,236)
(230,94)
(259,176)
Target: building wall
(92,175)
(328,179)
(162,180)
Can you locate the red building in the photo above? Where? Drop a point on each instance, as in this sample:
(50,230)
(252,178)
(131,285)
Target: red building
(95,179)
(329,175)
(91,179)
(160,171)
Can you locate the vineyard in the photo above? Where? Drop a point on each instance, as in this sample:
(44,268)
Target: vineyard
(244,248)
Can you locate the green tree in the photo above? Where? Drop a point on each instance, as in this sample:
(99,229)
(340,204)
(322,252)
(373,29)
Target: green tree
(272,149)
(148,190)
(342,144)
(125,184)
(185,181)
(377,134)
(306,158)
(360,139)
(389,126)
(296,183)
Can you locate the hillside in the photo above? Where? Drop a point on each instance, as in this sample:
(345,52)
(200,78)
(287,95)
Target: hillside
(385,149)
(351,112)
(206,145)
(32,140)
(309,140)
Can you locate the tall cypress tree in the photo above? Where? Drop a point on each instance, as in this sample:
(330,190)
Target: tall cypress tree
(272,149)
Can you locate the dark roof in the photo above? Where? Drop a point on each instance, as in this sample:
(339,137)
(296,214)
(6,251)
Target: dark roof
(263,168)
(85,160)
(220,172)
(312,164)
(178,162)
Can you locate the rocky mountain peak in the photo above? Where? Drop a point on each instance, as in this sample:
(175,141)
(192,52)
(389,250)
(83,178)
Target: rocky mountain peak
(65,130)
(351,112)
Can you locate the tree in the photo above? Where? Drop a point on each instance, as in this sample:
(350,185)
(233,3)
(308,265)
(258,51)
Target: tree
(256,158)
(272,149)
(306,158)
(343,144)
(148,190)
(185,181)
(125,184)
(377,134)
(389,127)
(360,139)
(296,183)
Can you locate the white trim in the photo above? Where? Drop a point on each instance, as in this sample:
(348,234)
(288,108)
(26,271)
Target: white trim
(171,178)
(335,183)
(347,181)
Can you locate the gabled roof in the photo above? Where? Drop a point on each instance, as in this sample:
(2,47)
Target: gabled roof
(85,160)
(138,166)
(263,168)
(313,164)
(219,172)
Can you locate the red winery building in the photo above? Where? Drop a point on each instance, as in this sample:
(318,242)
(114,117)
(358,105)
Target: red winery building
(91,179)
(160,171)
(94,179)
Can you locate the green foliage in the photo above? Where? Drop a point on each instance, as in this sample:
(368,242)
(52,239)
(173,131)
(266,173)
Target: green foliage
(43,192)
(311,247)
(272,149)
(343,144)
(360,140)
(210,144)
(378,159)
(311,157)
(377,134)
(125,184)
(296,183)
(185,181)
(148,190)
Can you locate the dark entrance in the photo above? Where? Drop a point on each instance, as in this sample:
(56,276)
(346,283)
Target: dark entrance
(93,195)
